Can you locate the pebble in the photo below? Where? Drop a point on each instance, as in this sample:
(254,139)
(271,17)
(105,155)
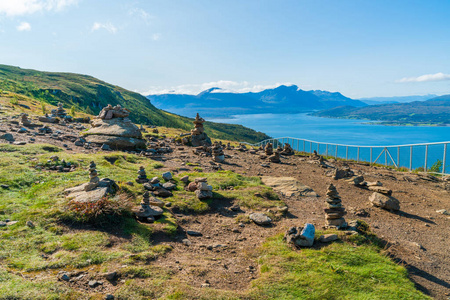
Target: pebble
(443,211)
(194,233)
(93,283)
(167,176)
(30,224)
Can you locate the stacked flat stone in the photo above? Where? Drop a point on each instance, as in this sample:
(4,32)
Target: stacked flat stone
(146,211)
(218,154)
(275,157)
(198,135)
(287,150)
(204,190)
(60,112)
(94,180)
(24,121)
(269,149)
(142,176)
(335,212)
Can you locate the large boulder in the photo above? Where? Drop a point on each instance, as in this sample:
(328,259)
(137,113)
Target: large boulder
(384,201)
(301,236)
(117,133)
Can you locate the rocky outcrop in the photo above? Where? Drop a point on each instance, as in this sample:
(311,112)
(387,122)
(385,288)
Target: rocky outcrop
(113,128)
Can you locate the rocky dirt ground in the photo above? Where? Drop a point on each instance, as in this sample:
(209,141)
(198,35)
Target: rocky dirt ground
(223,256)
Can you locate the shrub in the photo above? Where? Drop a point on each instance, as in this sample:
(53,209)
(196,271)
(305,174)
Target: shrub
(436,167)
(14,100)
(103,211)
(43,107)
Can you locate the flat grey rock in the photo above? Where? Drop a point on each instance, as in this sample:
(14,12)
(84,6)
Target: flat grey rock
(260,219)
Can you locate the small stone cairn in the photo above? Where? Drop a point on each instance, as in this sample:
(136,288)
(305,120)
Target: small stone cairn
(201,188)
(269,149)
(218,154)
(287,150)
(94,180)
(335,212)
(198,135)
(60,112)
(142,176)
(24,121)
(275,157)
(146,211)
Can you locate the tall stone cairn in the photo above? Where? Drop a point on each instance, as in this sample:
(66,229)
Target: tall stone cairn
(335,212)
(198,134)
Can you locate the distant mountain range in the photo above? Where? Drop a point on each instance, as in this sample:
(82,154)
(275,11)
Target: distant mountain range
(215,102)
(390,100)
(435,111)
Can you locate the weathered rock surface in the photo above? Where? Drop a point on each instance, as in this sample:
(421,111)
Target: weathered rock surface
(117,133)
(288,186)
(383,201)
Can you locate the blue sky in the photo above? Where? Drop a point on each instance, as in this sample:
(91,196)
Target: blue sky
(360,48)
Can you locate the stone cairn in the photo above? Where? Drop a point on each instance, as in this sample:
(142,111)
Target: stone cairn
(146,211)
(60,112)
(113,128)
(218,154)
(142,176)
(94,180)
(269,149)
(335,212)
(275,157)
(287,150)
(198,135)
(24,121)
(109,112)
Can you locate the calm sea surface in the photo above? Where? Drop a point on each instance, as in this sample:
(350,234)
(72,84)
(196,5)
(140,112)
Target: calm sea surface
(353,132)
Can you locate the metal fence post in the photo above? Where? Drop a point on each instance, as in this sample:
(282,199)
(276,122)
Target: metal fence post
(445,155)
(385,156)
(326,150)
(310,148)
(357,157)
(371,156)
(410,158)
(335,155)
(426,158)
(398,157)
(346,152)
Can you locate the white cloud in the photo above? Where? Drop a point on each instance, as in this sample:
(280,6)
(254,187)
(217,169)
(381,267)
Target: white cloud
(107,26)
(224,85)
(156,36)
(425,78)
(13,8)
(24,26)
(139,12)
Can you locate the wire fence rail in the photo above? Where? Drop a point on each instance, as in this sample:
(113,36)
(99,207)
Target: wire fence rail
(427,157)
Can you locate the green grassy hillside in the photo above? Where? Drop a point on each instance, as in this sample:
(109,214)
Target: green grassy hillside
(90,95)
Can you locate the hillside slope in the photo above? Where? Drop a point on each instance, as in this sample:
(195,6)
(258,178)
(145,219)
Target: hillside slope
(215,102)
(435,111)
(90,95)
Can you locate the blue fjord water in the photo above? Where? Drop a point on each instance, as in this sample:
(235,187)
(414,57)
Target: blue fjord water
(352,132)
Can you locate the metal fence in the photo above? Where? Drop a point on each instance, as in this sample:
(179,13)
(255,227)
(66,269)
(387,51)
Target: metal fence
(430,157)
